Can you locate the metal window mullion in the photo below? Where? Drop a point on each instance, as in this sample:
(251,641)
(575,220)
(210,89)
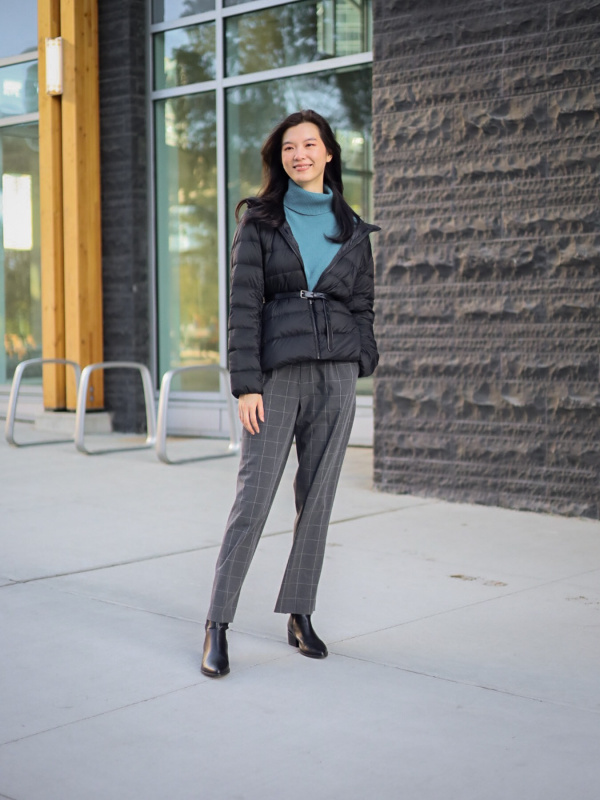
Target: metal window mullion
(8,61)
(151,177)
(183,91)
(219,11)
(21,119)
(326,65)
(222,249)
(182,22)
(256,5)
(211,16)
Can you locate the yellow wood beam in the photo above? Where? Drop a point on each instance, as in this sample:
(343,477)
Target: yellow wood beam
(51,216)
(81,191)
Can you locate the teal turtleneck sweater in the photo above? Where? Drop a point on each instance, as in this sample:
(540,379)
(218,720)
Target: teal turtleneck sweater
(311,219)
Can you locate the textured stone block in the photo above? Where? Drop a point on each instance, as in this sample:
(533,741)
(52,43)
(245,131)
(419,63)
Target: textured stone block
(487,152)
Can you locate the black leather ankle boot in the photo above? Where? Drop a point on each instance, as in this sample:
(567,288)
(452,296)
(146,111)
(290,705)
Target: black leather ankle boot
(215,659)
(302,636)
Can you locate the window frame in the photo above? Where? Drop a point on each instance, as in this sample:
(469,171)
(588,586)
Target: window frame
(219,85)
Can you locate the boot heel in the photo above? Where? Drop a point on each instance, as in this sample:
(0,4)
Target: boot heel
(215,658)
(292,640)
(301,634)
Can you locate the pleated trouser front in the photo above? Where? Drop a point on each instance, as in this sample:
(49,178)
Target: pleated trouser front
(315,403)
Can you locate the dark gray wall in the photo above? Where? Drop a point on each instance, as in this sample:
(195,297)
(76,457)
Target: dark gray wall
(122,26)
(487,146)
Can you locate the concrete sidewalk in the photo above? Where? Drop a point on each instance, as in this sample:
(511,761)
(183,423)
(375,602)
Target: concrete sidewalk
(464,641)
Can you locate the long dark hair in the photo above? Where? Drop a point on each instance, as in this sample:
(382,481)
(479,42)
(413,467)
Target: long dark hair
(267,206)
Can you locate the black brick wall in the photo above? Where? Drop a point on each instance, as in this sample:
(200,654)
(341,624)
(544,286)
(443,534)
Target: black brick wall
(487,153)
(122,25)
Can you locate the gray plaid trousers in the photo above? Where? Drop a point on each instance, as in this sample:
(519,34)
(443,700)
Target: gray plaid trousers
(315,402)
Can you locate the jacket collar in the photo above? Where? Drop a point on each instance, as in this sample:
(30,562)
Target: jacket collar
(361,231)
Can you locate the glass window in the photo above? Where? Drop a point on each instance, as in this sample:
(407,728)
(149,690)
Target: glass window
(19,89)
(342,97)
(186,236)
(296,34)
(163,10)
(20,275)
(184,55)
(18,29)
(290,34)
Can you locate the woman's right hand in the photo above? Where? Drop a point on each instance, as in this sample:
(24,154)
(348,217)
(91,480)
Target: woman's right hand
(251,410)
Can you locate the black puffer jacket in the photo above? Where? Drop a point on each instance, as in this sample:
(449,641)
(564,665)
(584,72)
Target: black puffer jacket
(266,332)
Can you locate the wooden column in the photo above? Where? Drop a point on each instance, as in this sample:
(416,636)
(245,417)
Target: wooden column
(81,190)
(51,216)
(70,200)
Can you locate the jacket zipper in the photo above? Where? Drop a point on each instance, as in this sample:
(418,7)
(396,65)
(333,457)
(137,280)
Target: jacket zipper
(349,245)
(314,324)
(295,249)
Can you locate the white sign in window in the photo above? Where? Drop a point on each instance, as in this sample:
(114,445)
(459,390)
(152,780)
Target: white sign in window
(17,222)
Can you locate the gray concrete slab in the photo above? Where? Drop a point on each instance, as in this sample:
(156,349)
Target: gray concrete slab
(507,644)
(338,729)
(84,506)
(464,643)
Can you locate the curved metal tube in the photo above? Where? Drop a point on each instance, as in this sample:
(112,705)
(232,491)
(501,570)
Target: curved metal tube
(11,413)
(82,402)
(163,407)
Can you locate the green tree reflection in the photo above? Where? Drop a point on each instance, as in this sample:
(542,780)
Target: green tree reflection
(343,97)
(188,245)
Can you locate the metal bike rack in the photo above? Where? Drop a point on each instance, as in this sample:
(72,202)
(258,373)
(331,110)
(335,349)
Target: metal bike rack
(81,406)
(9,430)
(163,407)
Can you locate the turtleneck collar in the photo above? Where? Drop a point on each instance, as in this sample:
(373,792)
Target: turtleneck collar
(307,203)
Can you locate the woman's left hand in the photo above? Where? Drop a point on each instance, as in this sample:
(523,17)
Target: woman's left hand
(251,410)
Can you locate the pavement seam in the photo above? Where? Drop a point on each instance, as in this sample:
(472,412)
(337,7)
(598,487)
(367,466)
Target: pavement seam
(207,681)
(106,601)
(19,581)
(101,714)
(113,565)
(483,687)
(201,682)
(501,596)
(72,592)
(385,664)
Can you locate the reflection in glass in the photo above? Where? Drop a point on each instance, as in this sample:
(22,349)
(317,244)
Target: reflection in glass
(296,33)
(19,89)
(187,242)
(184,55)
(342,97)
(20,275)
(18,27)
(163,10)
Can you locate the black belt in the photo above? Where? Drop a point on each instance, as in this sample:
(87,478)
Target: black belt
(306,295)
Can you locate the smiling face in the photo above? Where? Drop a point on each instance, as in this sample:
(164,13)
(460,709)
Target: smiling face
(304,156)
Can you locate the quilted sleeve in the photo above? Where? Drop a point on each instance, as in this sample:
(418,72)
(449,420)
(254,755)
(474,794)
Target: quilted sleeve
(245,310)
(361,307)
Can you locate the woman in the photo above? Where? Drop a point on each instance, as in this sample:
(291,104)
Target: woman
(300,333)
